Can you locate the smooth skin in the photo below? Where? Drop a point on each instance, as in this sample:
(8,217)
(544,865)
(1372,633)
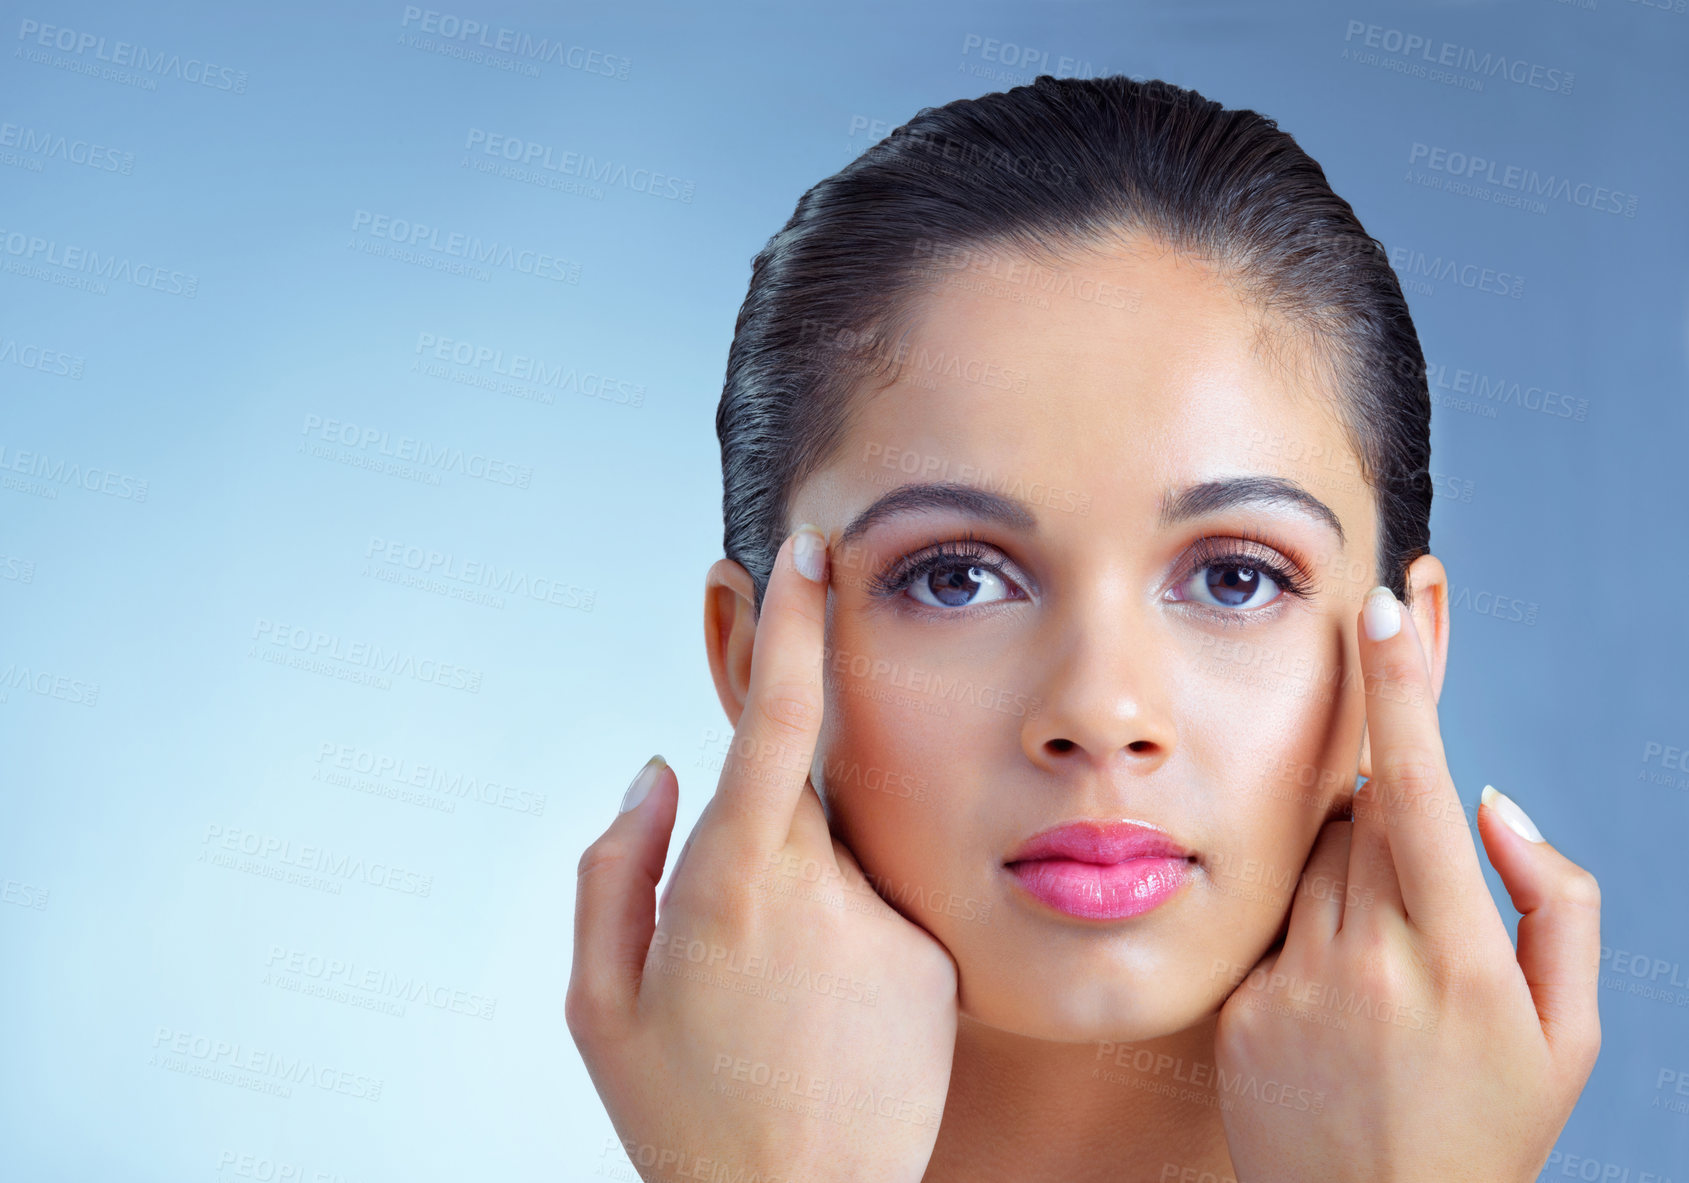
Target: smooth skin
(1462,1037)
(868,1039)
(1081,1050)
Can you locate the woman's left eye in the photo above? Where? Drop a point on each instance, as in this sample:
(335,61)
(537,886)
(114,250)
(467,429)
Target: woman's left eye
(1231,585)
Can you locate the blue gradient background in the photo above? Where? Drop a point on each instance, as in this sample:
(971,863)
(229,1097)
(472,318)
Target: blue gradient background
(115,926)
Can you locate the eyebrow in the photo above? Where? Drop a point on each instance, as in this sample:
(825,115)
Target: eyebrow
(1212,496)
(1193,501)
(940,495)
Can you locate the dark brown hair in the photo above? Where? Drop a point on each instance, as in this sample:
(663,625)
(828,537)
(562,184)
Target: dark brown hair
(1054,167)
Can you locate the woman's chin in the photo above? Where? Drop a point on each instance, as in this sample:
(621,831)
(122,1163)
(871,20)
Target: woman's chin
(1104,1015)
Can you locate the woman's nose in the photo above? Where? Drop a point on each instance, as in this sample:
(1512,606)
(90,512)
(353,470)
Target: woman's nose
(1102,693)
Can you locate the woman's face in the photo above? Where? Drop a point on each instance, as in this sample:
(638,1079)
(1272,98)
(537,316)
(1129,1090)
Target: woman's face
(1153,622)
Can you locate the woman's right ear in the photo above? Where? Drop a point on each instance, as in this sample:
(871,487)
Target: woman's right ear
(730,632)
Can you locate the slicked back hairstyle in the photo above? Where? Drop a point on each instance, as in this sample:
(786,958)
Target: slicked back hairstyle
(1046,171)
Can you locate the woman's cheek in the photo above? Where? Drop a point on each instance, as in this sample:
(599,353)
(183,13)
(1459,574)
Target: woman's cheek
(1267,720)
(899,755)
(880,789)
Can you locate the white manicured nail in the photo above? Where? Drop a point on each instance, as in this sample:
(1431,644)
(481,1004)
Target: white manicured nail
(1381,614)
(809,553)
(642,783)
(1508,809)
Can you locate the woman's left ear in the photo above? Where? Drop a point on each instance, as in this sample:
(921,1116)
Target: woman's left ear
(1428,591)
(1428,603)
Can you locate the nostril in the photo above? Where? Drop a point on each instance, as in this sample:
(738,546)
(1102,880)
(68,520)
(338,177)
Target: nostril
(1062,745)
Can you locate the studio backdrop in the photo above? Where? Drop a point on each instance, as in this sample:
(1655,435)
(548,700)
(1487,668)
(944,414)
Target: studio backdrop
(358,479)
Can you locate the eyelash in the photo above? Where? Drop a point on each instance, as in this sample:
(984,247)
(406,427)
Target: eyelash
(1247,549)
(965,551)
(1242,550)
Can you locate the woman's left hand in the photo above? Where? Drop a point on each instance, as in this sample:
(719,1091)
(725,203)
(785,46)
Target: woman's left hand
(1434,1050)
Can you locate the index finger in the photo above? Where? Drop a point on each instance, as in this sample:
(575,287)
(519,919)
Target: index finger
(763,775)
(1410,802)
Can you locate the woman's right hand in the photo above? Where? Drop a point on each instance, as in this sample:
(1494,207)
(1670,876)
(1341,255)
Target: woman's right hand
(781,1021)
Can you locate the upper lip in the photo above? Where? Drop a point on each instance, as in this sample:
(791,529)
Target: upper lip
(1102,842)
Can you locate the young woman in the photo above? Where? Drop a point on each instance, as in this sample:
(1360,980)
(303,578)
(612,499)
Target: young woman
(1038,854)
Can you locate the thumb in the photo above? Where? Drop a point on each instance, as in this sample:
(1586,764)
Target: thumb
(1559,907)
(614,911)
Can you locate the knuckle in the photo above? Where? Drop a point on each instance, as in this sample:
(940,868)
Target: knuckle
(936,974)
(1236,1029)
(1591,1045)
(1474,971)
(789,708)
(1395,675)
(597,857)
(1412,771)
(1381,971)
(814,618)
(1582,889)
(581,1012)
(801,607)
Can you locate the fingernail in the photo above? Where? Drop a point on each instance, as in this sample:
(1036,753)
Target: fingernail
(809,553)
(642,783)
(1516,819)
(1381,614)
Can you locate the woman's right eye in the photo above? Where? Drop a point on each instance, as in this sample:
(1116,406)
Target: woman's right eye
(948,576)
(951,584)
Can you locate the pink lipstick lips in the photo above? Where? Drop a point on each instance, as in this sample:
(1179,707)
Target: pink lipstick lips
(1101,870)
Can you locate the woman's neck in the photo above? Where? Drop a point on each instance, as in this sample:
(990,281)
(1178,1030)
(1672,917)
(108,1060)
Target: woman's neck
(1023,1110)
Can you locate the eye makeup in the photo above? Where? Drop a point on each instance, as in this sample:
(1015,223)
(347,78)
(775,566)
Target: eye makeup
(962,553)
(1244,552)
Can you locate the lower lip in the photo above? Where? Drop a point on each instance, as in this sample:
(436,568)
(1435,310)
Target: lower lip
(1096,892)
